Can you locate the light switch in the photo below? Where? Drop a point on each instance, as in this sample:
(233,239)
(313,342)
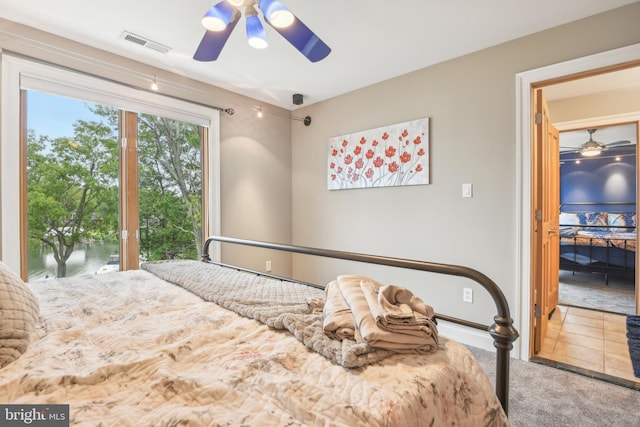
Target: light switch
(467,190)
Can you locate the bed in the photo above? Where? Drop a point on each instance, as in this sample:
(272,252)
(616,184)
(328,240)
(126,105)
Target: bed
(601,240)
(195,343)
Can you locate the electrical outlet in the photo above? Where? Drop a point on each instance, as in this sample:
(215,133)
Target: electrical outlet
(467,295)
(268,266)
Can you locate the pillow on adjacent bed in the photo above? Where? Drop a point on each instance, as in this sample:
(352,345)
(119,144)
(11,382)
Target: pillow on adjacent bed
(585,218)
(18,315)
(620,219)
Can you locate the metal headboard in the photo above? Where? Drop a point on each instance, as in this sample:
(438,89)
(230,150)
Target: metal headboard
(502,331)
(598,204)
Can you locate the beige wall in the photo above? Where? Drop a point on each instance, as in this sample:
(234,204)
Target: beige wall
(255,153)
(608,103)
(471,103)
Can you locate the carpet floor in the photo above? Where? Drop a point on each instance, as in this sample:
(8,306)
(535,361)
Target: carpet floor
(541,395)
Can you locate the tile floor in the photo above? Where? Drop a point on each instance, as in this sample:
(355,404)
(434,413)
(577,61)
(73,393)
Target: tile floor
(591,340)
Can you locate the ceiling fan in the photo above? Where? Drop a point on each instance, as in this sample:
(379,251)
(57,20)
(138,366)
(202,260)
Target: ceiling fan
(593,148)
(221,19)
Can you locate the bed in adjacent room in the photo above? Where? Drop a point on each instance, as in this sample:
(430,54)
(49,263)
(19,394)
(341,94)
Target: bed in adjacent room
(197,343)
(602,240)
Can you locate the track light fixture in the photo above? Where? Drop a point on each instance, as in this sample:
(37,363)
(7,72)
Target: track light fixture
(154,84)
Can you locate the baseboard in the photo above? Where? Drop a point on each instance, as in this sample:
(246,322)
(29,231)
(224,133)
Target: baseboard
(466,335)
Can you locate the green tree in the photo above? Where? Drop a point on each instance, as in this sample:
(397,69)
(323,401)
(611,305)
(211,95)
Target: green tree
(170,188)
(72,188)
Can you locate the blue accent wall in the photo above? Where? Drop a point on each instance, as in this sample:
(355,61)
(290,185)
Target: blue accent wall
(598,179)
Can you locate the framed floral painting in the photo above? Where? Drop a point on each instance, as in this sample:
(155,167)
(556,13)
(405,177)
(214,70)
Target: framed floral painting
(387,156)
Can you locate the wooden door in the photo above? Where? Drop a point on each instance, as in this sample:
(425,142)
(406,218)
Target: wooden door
(129,210)
(546,213)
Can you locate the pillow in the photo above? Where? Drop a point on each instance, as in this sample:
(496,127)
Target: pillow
(622,219)
(584,218)
(569,218)
(18,315)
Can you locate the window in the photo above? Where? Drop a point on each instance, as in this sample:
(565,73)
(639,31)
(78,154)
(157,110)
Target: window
(155,169)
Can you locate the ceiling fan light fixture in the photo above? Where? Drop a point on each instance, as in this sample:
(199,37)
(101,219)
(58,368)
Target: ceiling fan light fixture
(222,18)
(236,3)
(218,17)
(255,32)
(590,150)
(276,13)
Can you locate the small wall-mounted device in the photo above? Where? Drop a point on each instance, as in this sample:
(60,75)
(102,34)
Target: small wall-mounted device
(467,190)
(297,99)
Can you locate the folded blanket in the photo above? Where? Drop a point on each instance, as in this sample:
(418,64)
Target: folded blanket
(358,308)
(354,289)
(420,330)
(337,320)
(400,306)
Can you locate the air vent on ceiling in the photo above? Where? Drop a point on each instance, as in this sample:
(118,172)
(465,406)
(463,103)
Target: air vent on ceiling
(143,41)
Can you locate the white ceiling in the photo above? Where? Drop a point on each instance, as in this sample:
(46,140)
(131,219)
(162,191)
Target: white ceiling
(617,80)
(371,40)
(618,135)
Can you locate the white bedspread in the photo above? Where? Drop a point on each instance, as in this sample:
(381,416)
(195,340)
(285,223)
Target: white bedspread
(128,349)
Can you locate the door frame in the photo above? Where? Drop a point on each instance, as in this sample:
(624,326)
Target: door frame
(590,65)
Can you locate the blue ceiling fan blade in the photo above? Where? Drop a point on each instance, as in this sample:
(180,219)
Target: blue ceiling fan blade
(303,39)
(213,42)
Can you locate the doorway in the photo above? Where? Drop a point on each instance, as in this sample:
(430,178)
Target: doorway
(598,177)
(566,72)
(586,331)
(594,65)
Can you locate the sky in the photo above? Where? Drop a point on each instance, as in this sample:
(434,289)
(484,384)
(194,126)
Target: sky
(54,116)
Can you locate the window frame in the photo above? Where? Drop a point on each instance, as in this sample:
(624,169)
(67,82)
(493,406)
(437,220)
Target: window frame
(19,74)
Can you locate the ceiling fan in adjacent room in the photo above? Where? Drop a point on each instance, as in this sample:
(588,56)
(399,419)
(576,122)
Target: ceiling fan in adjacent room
(592,148)
(221,19)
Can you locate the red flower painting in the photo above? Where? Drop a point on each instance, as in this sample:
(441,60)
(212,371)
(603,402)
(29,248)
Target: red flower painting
(388,156)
